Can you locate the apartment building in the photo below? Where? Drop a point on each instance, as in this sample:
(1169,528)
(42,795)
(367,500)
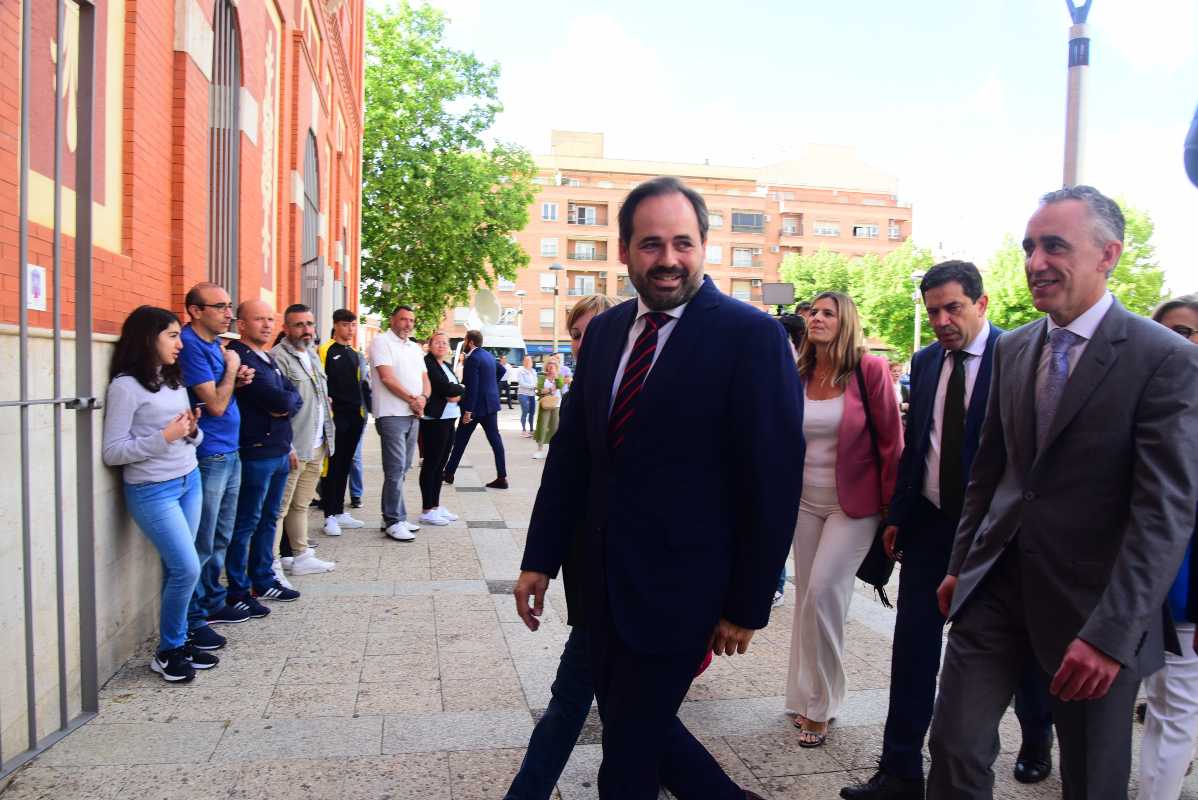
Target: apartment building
(827,199)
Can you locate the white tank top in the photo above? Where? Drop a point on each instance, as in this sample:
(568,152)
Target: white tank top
(821,423)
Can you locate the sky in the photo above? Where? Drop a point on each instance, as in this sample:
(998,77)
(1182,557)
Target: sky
(963,102)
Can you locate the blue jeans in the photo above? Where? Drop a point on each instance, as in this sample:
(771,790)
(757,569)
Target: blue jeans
(355,469)
(251,551)
(168,513)
(554,736)
(398,436)
(220,477)
(781,581)
(528,410)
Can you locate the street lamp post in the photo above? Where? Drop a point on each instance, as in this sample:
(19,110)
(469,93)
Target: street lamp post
(520,295)
(556,267)
(1079,62)
(917,296)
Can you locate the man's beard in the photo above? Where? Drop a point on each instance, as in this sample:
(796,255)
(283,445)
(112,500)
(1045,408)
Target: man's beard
(688,288)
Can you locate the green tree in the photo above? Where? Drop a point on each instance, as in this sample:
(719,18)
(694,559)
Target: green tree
(886,298)
(1138,280)
(438,206)
(821,271)
(1006,285)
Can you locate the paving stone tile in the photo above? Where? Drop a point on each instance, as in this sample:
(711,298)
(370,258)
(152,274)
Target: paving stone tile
(411,664)
(310,779)
(411,776)
(440,587)
(322,669)
(38,781)
(141,704)
(735,717)
(218,704)
(769,755)
(101,744)
(456,666)
(426,733)
(235,671)
(177,782)
(579,780)
(493,694)
(484,774)
(318,737)
(858,747)
(407,697)
(810,787)
(320,700)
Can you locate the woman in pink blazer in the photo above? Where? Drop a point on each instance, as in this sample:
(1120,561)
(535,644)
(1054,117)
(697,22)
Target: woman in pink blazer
(844,496)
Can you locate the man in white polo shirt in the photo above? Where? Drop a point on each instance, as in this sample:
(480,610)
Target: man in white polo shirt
(399,383)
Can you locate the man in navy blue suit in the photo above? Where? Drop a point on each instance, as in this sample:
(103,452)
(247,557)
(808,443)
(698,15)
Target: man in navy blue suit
(684,455)
(950,385)
(479,406)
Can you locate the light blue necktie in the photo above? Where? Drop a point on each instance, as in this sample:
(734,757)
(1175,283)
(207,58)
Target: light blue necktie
(1059,341)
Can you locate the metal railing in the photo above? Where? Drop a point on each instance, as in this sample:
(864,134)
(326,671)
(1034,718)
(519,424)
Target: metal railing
(586,256)
(83,401)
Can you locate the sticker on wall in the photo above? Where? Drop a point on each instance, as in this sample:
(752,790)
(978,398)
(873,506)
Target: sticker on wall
(35,288)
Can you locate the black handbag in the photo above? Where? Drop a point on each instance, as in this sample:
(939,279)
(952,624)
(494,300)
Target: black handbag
(877,567)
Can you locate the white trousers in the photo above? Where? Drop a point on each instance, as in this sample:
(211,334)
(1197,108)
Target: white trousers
(1171,726)
(828,548)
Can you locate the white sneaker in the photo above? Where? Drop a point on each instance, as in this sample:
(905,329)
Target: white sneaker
(400,533)
(449,515)
(433,517)
(306,563)
(411,527)
(539,454)
(277,569)
(287,561)
(346,521)
(331,527)
(779,599)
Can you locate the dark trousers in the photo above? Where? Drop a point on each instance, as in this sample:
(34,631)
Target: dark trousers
(348,425)
(437,435)
(556,733)
(645,745)
(988,646)
(915,658)
(490,424)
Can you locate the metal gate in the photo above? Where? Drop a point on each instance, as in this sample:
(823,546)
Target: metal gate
(73,708)
(224,149)
(311,265)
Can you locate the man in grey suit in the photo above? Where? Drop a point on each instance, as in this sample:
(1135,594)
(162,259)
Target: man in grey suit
(1080,505)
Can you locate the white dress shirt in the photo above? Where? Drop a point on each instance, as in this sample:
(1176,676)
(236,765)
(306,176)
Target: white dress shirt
(663,334)
(931,466)
(1084,326)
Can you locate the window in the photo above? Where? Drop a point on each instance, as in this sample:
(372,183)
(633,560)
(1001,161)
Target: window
(311,268)
(715,254)
(715,219)
(549,212)
(582,215)
(826,228)
(895,229)
(583,285)
(506,286)
(792,226)
(548,281)
(460,315)
(748,222)
(584,251)
(742,257)
(224,151)
(865,231)
(624,287)
(748,290)
(549,248)
(572,182)
(546,315)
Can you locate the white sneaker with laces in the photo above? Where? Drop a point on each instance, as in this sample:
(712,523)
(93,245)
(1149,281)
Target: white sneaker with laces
(400,533)
(277,569)
(287,561)
(539,454)
(449,515)
(306,563)
(346,521)
(433,517)
(332,527)
(410,526)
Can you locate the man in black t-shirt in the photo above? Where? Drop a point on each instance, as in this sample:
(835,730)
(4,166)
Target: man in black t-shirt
(345,371)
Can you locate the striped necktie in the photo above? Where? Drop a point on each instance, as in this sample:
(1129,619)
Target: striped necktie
(639,361)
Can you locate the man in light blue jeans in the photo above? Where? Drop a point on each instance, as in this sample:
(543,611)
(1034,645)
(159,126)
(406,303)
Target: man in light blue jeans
(398,436)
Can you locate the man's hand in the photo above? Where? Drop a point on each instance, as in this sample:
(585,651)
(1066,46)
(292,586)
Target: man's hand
(293,460)
(466,417)
(534,584)
(232,360)
(944,594)
(245,376)
(417,405)
(729,638)
(1086,673)
(889,537)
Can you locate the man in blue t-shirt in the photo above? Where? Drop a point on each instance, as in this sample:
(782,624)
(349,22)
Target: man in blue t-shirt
(210,373)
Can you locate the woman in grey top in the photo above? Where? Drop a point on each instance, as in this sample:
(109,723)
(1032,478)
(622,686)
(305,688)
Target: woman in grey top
(526,377)
(151,432)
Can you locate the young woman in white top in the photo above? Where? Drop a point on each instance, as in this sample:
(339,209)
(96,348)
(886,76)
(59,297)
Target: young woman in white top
(844,494)
(526,392)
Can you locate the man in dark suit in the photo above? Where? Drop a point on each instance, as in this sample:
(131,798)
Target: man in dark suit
(950,382)
(689,518)
(1079,508)
(479,406)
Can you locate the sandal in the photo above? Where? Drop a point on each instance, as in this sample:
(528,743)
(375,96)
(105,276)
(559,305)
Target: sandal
(799,721)
(809,738)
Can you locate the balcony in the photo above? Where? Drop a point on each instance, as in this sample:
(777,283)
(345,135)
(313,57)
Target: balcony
(794,230)
(753,263)
(586,250)
(587,214)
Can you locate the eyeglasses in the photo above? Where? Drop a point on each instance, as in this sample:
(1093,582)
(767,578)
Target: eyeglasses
(217,306)
(1183,330)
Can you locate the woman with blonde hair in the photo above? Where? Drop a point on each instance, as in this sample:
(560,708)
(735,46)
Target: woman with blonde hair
(854,439)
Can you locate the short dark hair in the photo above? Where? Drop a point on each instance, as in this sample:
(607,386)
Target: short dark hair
(656,188)
(344,315)
(1105,214)
(403,307)
(1189,301)
(475,338)
(962,272)
(195,295)
(136,351)
(803,306)
(796,327)
(296,308)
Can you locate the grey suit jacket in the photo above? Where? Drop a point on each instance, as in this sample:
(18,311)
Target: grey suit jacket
(1104,511)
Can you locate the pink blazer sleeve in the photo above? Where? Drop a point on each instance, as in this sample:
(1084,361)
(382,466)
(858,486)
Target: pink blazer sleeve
(888,420)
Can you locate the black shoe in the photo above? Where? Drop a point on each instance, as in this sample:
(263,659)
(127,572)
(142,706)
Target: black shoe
(498,483)
(173,666)
(314,502)
(232,612)
(1034,762)
(199,658)
(448,478)
(249,605)
(355,502)
(1141,713)
(884,786)
(204,638)
(277,592)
